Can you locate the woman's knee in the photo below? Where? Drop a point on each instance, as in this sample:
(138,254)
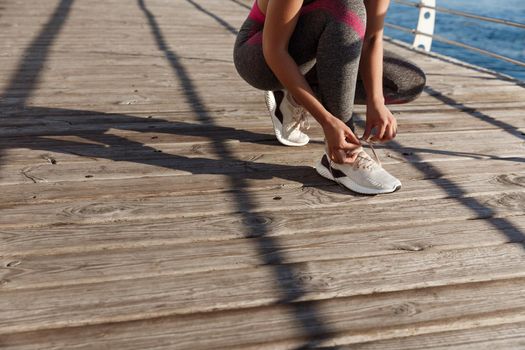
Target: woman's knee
(251,66)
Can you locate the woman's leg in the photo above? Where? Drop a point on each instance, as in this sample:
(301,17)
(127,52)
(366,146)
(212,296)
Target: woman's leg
(403,81)
(328,35)
(248,56)
(335,73)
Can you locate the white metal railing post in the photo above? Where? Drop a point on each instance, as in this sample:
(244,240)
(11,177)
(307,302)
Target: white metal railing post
(425,25)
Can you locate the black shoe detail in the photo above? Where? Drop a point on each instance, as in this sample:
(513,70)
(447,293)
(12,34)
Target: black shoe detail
(279,96)
(335,173)
(350,123)
(324,161)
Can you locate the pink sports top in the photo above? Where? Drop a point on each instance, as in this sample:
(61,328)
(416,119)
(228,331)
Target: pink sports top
(258,16)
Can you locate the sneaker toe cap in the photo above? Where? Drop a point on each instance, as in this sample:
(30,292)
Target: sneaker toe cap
(381,181)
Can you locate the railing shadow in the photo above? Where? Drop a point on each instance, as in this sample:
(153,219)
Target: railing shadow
(219,20)
(508,128)
(240,3)
(482,210)
(34,58)
(28,72)
(287,277)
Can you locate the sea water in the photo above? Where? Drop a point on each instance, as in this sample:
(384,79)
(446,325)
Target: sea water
(501,39)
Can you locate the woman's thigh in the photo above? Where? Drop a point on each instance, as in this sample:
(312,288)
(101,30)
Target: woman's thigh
(327,36)
(248,54)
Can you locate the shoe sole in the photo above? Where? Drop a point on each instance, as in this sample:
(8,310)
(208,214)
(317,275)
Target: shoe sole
(352,186)
(272,106)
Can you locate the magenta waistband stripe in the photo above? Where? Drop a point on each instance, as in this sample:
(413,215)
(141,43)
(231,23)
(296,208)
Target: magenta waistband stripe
(335,8)
(338,10)
(256,14)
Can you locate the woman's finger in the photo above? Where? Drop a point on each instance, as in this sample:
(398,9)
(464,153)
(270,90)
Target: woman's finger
(381,133)
(389,133)
(368,131)
(394,129)
(350,158)
(350,137)
(338,156)
(350,147)
(343,157)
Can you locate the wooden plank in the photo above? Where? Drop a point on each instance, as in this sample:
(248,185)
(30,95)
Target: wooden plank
(129,300)
(446,178)
(130,235)
(259,122)
(243,114)
(507,336)
(112,210)
(249,107)
(355,320)
(85,264)
(234,157)
(87,102)
(254,166)
(223,74)
(217,67)
(109,205)
(252,103)
(223,134)
(190,139)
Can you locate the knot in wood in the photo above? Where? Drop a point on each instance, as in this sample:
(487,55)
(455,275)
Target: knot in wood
(412,247)
(13,263)
(406,309)
(257,220)
(513,201)
(98,209)
(511,179)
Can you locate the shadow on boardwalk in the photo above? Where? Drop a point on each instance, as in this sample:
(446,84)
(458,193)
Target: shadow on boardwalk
(287,276)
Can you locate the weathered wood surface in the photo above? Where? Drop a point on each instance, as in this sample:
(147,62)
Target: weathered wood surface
(146,205)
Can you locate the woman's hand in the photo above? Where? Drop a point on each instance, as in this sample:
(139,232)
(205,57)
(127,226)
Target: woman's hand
(380,119)
(341,141)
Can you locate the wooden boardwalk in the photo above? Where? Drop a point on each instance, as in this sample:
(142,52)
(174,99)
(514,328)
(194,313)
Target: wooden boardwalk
(146,205)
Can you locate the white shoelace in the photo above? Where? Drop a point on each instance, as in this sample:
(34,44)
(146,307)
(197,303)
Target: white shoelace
(300,117)
(364,160)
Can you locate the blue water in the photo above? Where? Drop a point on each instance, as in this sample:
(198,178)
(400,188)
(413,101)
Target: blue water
(501,39)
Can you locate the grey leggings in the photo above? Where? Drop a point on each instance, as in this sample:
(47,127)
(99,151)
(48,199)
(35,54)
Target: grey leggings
(326,45)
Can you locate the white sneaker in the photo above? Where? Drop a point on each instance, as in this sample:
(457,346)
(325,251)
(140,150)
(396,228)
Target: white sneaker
(289,118)
(363,176)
